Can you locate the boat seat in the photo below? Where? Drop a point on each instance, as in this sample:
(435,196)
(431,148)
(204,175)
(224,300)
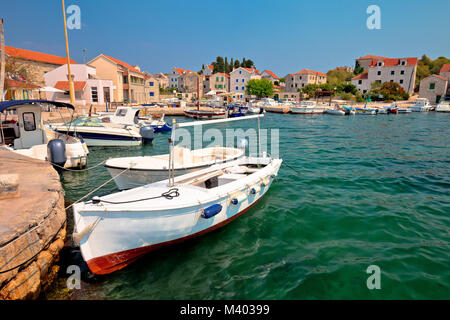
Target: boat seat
(201,178)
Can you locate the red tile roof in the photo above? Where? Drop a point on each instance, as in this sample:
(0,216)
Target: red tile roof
(210,67)
(35,56)
(272,74)
(223,74)
(388,62)
(123,64)
(364,75)
(439,76)
(19,84)
(308,71)
(445,68)
(181,71)
(370,56)
(64,85)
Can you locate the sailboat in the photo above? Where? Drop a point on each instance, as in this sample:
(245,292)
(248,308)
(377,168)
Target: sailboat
(117,229)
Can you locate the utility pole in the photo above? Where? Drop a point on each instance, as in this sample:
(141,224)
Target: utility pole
(2,71)
(71,89)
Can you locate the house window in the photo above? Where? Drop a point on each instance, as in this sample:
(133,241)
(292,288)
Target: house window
(391,81)
(402,72)
(379,73)
(243,80)
(364,91)
(401,81)
(151,84)
(359,81)
(152,94)
(29,122)
(392,72)
(106,94)
(380,64)
(237,88)
(222,79)
(240,71)
(217,78)
(379,81)
(403,63)
(432,86)
(94,94)
(237,80)
(243,88)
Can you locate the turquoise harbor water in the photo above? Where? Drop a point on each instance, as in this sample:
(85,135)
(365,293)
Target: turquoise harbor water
(369,190)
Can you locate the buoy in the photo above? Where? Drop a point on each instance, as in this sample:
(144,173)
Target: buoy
(211,211)
(238,198)
(255,189)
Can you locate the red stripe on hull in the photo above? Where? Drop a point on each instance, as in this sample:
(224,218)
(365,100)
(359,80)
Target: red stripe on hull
(119,260)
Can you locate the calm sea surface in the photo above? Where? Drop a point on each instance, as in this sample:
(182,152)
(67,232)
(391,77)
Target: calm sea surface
(352,192)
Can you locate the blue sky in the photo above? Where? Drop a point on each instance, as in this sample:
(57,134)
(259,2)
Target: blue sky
(283,36)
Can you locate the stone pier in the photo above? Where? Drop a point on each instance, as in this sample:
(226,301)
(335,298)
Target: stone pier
(32,226)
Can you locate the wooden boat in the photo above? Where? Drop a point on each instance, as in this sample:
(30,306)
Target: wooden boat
(28,135)
(115,230)
(149,169)
(307,107)
(205,114)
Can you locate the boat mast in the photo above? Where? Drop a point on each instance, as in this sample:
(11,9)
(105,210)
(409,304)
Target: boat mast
(71,89)
(2,72)
(198,92)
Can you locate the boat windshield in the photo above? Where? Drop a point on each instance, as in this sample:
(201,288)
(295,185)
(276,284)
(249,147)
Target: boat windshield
(85,122)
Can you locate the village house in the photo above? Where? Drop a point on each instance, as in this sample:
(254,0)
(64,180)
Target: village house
(129,81)
(436,86)
(33,65)
(174,74)
(163,80)
(189,84)
(151,88)
(239,78)
(208,70)
(267,74)
(382,69)
(88,88)
(27,70)
(295,81)
(345,68)
(219,82)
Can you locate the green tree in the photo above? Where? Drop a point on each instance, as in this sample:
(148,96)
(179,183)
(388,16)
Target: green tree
(236,64)
(358,69)
(337,76)
(244,63)
(260,88)
(219,65)
(230,68)
(225,67)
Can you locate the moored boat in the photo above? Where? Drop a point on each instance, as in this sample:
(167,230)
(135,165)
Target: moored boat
(443,106)
(421,105)
(149,169)
(27,135)
(307,107)
(205,114)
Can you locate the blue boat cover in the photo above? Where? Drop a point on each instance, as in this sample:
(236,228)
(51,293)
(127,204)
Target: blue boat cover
(13,103)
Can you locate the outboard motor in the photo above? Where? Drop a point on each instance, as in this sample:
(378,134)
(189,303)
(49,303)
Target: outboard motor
(147,134)
(56,149)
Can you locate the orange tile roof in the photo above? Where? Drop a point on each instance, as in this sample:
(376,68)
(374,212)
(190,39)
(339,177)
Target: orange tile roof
(123,64)
(272,74)
(308,71)
(439,76)
(223,74)
(364,75)
(35,56)
(445,68)
(181,71)
(19,84)
(64,85)
(388,62)
(370,56)
(210,67)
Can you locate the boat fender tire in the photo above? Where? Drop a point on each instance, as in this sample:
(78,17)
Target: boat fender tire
(211,211)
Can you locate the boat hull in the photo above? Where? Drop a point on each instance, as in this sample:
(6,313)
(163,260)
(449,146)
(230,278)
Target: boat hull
(335,112)
(125,232)
(105,140)
(203,115)
(301,110)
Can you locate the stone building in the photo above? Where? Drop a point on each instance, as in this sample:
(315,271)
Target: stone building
(128,80)
(239,78)
(219,82)
(295,81)
(152,88)
(174,74)
(191,82)
(436,86)
(382,69)
(267,74)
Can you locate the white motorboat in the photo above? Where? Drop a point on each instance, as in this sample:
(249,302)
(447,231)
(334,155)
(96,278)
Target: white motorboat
(421,105)
(115,230)
(149,169)
(307,107)
(254,107)
(443,106)
(335,112)
(97,133)
(26,134)
(132,116)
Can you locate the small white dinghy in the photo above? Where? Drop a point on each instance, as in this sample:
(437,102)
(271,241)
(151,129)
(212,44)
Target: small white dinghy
(149,169)
(117,229)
